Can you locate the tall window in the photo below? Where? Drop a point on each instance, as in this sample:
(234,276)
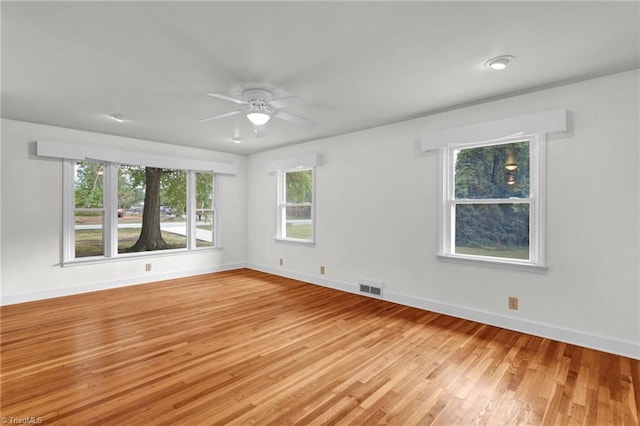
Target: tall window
(204,210)
(295,205)
(493,201)
(89,212)
(121,209)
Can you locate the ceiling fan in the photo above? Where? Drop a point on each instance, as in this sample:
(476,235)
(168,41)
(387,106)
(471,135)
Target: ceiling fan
(260,106)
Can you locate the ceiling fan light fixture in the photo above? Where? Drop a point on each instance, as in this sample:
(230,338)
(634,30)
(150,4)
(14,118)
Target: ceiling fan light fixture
(258,118)
(499,62)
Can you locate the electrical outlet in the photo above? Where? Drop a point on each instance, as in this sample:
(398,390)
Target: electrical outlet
(321,270)
(147,267)
(513,303)
(281,261)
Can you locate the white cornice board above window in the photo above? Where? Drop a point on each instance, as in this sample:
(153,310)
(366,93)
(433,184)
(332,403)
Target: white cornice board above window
(82,152)
(292,163)
(538,122)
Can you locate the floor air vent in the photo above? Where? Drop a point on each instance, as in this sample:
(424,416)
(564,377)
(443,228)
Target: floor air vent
(377,291)
(371,287)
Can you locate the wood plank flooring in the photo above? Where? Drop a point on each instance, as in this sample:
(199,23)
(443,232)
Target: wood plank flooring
(244,347)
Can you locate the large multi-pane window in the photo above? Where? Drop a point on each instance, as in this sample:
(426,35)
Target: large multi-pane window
(295,205)
(119,209)
(492,209)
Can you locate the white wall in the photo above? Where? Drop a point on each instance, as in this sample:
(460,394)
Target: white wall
(376,201)
(376,218)
(32,219)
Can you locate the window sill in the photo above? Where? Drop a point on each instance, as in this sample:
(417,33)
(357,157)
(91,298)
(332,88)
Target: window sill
(493,263)
(294,241)
(96,260)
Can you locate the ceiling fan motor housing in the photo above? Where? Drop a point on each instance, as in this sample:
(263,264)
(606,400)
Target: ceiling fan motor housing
(258,100)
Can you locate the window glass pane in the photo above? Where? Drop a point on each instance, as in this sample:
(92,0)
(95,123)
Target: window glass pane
(298,186)
(496,230)
(130,192)
(88,184)
(155,198)
(89,232)
(173,196)
(204,228)
(129,227)
(204,190)
(496,171)
(298,222)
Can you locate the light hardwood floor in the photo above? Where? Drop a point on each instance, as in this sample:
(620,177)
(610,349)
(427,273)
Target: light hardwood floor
(244,347)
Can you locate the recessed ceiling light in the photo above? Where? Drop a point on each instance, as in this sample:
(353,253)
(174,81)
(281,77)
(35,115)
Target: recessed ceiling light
(118,117)
(499,62)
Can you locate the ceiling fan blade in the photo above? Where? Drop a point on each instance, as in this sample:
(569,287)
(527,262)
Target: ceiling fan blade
(227,98)
(223,115)
(260,131)
(294,118)
(286,102)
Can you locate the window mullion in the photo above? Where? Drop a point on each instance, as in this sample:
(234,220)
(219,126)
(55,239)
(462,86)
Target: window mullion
(538,194)
(313,204)
(110,209)
(281,213)
(68,205)
(216,233)
(492,201)
(282,217)
(449,203)
(443,200)
(298,204)
(191,210)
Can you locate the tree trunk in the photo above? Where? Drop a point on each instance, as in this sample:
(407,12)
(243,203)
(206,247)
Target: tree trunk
(150,235)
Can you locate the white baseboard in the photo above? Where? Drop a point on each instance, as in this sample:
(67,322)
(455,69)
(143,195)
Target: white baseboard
(606,344)
(106,285)
(549,331)
(338,285)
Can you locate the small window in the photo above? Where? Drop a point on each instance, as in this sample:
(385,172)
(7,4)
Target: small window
(493,201)
(295,205)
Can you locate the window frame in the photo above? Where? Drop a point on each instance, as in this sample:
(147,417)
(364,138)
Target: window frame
(102,210)
(536,202)
(192,210)
(282,204)
(110,217)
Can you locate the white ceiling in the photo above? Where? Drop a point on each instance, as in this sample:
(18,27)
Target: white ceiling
(356,64)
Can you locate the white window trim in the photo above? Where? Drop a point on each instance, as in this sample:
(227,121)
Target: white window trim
(281,216)
(292,163)
(67,151)
(110,219)
(192,208)
(548,121)
(537,207)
